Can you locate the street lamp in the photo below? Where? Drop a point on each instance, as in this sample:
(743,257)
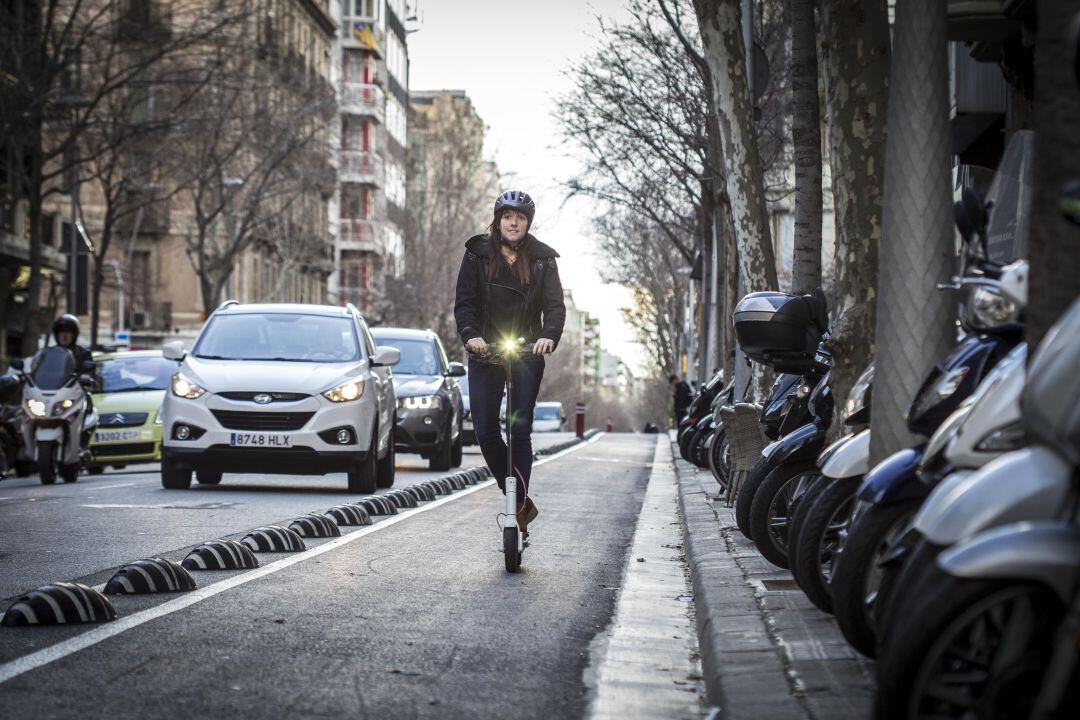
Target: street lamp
(115,265)
(233,183)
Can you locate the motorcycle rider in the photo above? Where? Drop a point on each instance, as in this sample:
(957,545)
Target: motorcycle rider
(66,333)
(508,287)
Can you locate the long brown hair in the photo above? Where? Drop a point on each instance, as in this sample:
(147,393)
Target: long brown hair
(520,266)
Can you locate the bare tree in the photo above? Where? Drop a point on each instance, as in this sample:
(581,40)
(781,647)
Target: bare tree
(855,42)
(63,60)
(806,142)
(720,25)
(248,168)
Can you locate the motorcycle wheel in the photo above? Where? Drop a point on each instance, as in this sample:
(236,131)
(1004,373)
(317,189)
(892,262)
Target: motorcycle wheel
(47,461)
(695,449)
(821,539)
(745,498)
(975,648)
(770,512)
(856,576)
(902,587)
(69,473)
(720,459)
(799,510)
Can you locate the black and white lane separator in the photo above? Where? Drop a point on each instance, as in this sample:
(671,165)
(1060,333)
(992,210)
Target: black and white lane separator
(100,633)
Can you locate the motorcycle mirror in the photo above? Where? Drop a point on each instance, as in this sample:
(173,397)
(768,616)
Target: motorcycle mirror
(1069,201)
(16,363)
(971,214)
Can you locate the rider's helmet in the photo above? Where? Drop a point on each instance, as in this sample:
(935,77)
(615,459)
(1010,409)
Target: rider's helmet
(67,322)
(515,200)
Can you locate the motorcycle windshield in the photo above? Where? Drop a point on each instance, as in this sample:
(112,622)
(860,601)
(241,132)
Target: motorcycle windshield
(1009,188)
(53,367)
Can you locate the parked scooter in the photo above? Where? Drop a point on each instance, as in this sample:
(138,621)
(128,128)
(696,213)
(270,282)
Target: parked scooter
(993,632)
(820,522)
(891,493)
(699,407)
(10,430)
(784,332)
(55,405)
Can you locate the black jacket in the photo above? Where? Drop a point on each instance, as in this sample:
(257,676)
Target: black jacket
(544,311)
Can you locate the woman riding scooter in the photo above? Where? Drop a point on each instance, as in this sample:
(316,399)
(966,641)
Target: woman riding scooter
(508,288)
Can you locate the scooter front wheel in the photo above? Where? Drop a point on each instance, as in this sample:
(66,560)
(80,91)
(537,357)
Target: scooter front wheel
(511,554)
(46,452)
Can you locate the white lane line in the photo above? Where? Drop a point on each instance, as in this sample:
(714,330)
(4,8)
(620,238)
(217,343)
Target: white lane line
(109,487)
(73,645)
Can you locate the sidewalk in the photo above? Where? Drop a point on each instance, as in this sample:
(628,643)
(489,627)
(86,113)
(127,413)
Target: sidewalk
(767,652)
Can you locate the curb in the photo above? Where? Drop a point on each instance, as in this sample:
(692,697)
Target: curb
(745,673)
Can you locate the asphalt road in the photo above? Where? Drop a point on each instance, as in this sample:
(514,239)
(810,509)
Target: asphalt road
(412,618)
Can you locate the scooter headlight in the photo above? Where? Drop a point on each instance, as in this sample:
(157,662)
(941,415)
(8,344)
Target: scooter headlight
(36,407)
(988,309)
(182,387)
(1004,439)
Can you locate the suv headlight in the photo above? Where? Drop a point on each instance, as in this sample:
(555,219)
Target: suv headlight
(182,387)
(988,309)
(421,402)
(35,407)
(346,392)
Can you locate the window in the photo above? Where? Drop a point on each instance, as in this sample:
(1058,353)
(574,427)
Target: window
(359,9)
(290,337)
(357,202)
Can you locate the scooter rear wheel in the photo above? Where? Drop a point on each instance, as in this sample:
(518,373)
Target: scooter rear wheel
(510,549)
(69,473)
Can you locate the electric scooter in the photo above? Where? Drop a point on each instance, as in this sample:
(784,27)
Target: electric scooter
(514,542)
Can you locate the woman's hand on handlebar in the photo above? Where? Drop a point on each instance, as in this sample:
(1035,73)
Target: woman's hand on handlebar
(544,346)
(477,346)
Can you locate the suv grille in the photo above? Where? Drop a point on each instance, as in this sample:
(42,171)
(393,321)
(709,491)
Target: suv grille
(277,396)
(240,420)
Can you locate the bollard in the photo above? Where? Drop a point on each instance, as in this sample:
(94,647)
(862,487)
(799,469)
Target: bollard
(608,424)
(579,421)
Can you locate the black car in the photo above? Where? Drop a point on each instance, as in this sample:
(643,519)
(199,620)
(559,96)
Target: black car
(429,406)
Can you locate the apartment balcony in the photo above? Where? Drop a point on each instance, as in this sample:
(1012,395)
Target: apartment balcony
(363,99)
(361,167)
(357,32)
(359,235)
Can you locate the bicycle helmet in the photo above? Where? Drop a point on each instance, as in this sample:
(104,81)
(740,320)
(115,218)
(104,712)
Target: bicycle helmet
(515,200)
(67,322)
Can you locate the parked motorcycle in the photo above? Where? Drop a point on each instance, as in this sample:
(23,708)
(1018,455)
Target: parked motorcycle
(784,332)
(820,522)
(993,633)
(10,431)
(55,404)
(891,494)
(699,406)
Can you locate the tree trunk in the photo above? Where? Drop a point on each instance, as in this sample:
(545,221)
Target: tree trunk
(855,42)
(1055,260)
(915,323)
(721,33)
(31,329)
(806,143)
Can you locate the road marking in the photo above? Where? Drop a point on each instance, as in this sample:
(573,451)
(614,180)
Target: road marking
(162,506)
(73,645)
(109,487)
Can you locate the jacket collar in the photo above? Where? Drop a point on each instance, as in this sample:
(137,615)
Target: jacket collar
(478,244)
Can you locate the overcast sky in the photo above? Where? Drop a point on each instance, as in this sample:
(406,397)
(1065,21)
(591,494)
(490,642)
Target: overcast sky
(509,57)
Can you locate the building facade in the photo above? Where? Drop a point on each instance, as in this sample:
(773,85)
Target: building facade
(371,54)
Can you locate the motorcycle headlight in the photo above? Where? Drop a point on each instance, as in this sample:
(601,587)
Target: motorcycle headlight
(346,392)
(421,402)
(859,395)
(1004,439)
(945,386)
(988,309)
(35,407)
(182,387)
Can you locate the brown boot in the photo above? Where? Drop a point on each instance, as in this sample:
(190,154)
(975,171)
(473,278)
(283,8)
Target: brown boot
(525,515)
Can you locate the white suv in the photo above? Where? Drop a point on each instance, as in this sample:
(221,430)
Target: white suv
(298,389)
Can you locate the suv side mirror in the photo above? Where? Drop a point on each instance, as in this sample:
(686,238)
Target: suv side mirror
(16,363)
(385,355)
(173,350)
(455,369)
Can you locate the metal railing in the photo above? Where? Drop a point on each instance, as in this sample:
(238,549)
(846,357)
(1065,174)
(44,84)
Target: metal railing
(363,99)
(361,167)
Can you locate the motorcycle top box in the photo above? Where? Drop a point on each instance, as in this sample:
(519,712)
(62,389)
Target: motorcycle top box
(781,330)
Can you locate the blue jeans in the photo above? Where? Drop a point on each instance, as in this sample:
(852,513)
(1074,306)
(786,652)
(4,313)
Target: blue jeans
(487,383)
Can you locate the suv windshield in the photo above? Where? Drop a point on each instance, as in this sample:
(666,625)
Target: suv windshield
(291,337)
(53,367)
(418,357)
(136,373)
